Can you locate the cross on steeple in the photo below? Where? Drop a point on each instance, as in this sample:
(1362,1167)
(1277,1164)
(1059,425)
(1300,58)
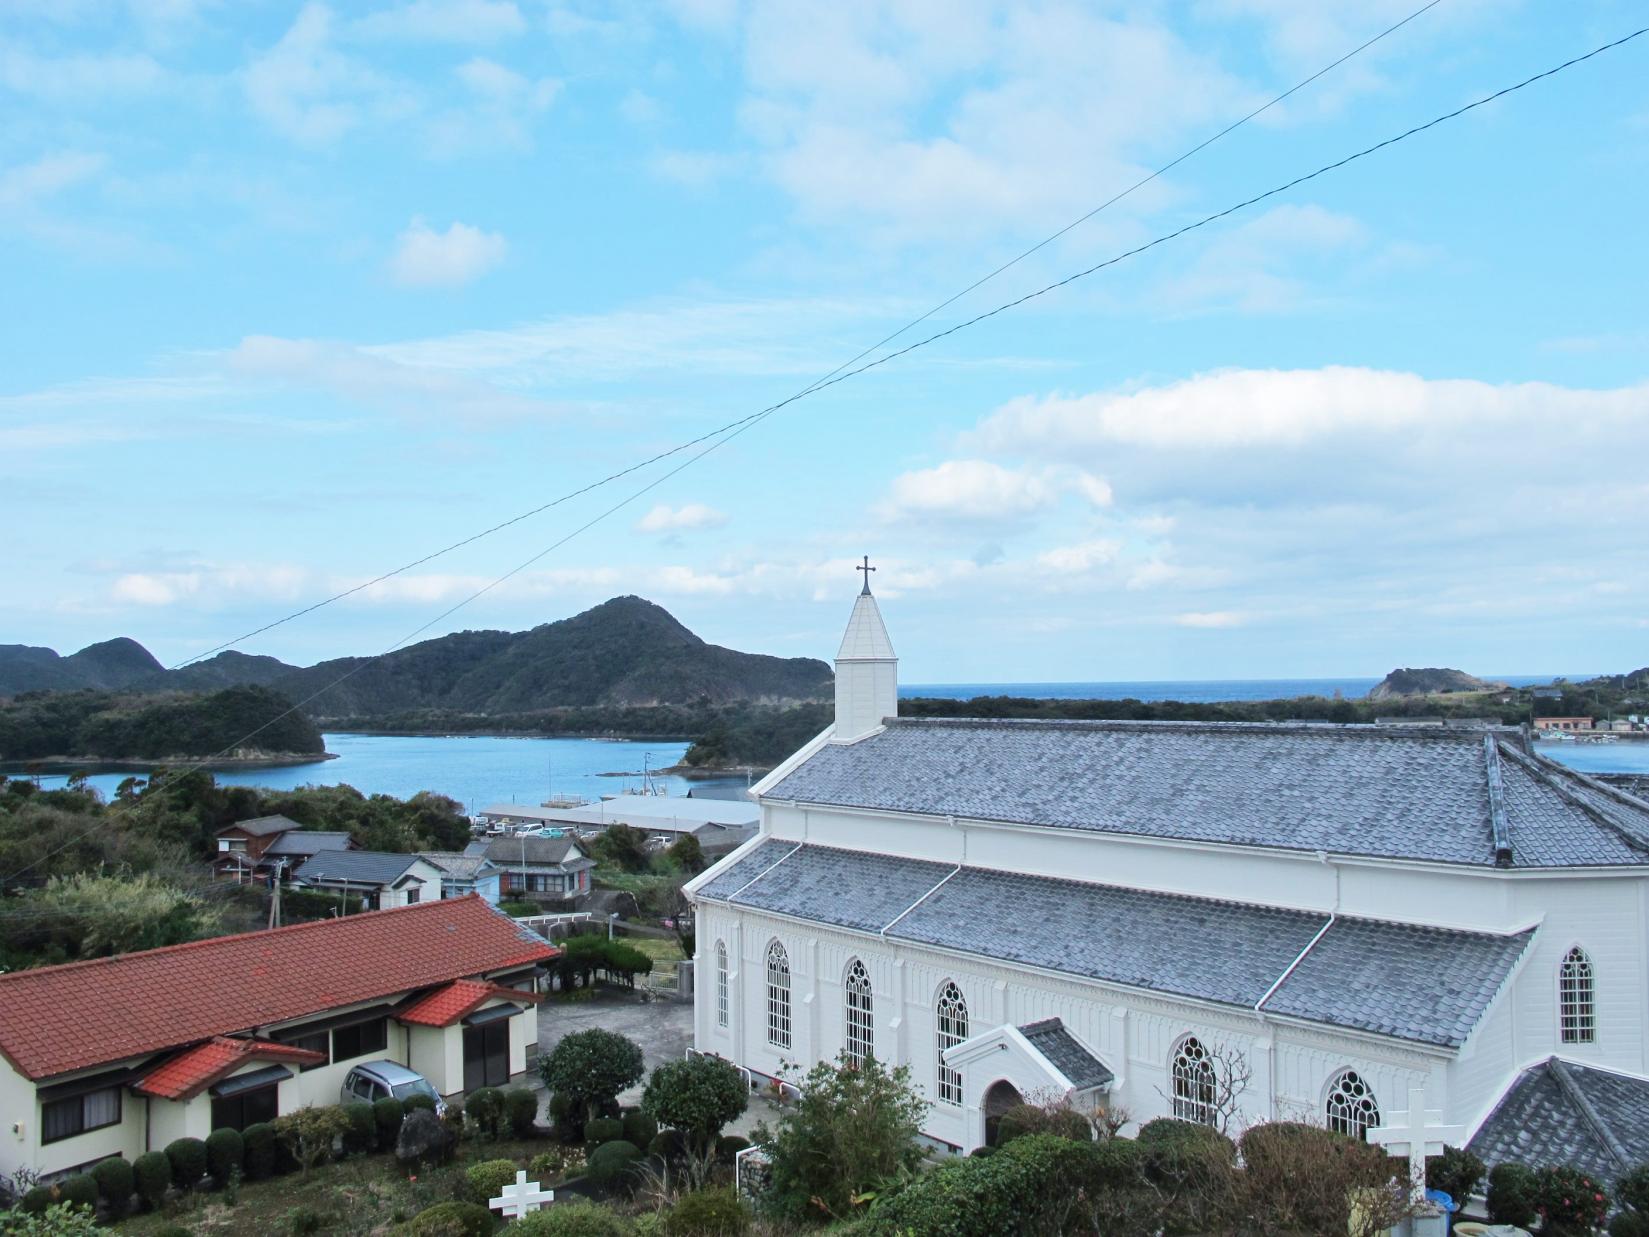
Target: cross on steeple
(867,569)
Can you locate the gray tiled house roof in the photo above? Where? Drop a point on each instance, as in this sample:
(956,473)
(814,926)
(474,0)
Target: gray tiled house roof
(1081,1067)
(360,867)
(307,842)
(1430,793)
(261,826)
(1425,985)
(1559,1112)
(455,863)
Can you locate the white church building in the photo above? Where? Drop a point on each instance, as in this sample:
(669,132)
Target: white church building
(1223,922)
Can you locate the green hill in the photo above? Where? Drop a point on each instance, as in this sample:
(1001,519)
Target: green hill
(122,726)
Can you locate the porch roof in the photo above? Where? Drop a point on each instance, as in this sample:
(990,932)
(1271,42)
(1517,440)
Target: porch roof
(452,1002)
(194,1069)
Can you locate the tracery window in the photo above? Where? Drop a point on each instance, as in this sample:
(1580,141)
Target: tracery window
(1351,1109)
(778,996)
(1576,1013)
(950,1027)
(1193,1077)
(721,983)
(861,1034)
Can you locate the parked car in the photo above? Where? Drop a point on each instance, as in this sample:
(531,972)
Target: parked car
(378,1080)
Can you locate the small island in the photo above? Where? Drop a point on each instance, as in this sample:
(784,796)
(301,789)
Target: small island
(1429,681)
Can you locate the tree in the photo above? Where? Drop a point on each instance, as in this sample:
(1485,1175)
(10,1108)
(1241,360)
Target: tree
(686,853)
(308,1133)
(93,916)
(623,847)
(591,1067)
(852,1133)
(698,1096)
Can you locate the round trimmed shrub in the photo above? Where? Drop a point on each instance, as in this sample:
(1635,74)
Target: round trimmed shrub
(602,1130)
(362,1134)
(484,1109)
(728,1147)
(487,1179)
(610,1163)
(152,1172)
(36,1199)
(1632,1189)
(578,1218)
(1572,1201)
(418,1100)
(225,1154)
(1117,1164)
(187,1156)
(1513,1196)
(561,1107)
(668,1145)
(115,1182)
(451,1219)
(708,1213)
(388,1113)
(520,1111)
(1178,1153)
(639,1128)
(1455,1172)
(984,1151)
(79,1190)
(258,1151)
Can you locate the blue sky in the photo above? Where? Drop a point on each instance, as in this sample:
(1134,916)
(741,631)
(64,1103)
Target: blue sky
(295,293)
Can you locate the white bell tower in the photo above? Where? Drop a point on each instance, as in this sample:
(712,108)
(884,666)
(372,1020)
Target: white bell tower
(867,670)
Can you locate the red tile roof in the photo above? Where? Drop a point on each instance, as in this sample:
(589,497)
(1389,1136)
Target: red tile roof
(447,1005)
(194,1069)
(60,1018)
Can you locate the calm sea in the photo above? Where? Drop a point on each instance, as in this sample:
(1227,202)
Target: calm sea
(478,770)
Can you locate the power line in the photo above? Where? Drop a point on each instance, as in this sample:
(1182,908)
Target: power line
(823,380)
(735,429)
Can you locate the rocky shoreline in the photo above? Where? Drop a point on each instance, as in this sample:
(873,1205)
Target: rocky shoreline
(95,764)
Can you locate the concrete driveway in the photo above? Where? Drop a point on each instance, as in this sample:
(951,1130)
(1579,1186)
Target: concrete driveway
(662,1028)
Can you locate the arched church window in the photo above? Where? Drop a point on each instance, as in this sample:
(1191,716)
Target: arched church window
(721,983)
(778,996)
(1351,1109)
(950,1027)
(861,1034)
(1193,1077)
(1576,1014)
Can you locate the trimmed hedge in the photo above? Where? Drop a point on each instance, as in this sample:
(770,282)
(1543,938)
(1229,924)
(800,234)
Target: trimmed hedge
(639,1128)
(610,1163)
(1025,1187)
(728,1147)
(521,1111)
(225,1154)
(417,1100)
(152,1173)
(116,1183)
(79,1190)
(36,1199)
(484,1109)
(362,1135)
(578,1218)
(1513,1195)
(1571,1201)
(450,1219)
(668,1145)
(708,1213)
(601,1130)
(487,1179)
(388,1113)
(187,1156)
(259,1151)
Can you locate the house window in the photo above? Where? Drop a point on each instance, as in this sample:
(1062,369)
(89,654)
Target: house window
(79,1114)
(721,983)
(950,1028)
(412,893)
(778,996)
(360,1040)
(1576,1017)
(1193,1083)
(236,1112)
(861,1028)
(316,1041)
(1351,1108)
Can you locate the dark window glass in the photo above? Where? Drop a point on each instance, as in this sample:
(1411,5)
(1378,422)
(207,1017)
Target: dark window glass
(487,1055)
(360,1040)
(236,1112)
(79,1113)
(317,1041)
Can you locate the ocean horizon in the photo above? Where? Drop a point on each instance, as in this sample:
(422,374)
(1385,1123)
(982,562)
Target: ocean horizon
(1200,691)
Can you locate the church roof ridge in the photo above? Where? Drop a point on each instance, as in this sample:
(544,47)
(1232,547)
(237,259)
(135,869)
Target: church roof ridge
(1419,730)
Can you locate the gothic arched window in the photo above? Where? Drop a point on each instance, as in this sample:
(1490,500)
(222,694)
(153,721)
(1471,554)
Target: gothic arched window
(1193,1076)
(721,983)
(861,1033)
(1576,1016)
(1351,1109)
(778,996)
(950,1027)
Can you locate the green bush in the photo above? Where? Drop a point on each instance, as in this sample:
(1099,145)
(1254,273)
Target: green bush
(591,1068)
(451,1219)
(152,1172)
(698,1096)
(116,1183)
(577,1218)
(225,1154)
(80,1190)
(417,1100)
(609,1164)
(1182,1154)
(36,1199)
(259,1151)
(54,1220)
(603,1130)
(668,1145)
(302,1221)
(1118,1164)
(362,1134)
(1572,1202)
(487,1179)
(546,1166)
(187,1156)
(520,1111)
(1028,1186)
(1513,1196)
(1023,1119)
(484,1109)
(172,1230)
(708,1213)
(1632,1196)
(311,904)
(728,1147)
(639,1128)
(517,907)
(388,1113)
(1455,1172)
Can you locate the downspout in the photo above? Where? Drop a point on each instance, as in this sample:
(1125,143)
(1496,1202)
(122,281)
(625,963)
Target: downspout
(1259,1011)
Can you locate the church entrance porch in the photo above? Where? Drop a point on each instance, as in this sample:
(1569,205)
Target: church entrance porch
(1042,1060)
(1000,1097)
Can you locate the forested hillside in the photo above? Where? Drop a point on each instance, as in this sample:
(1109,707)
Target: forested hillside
(122,726)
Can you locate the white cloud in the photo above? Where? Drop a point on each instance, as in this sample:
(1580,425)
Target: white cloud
(307,90)
(425,258)
(446,21)
(28,183)
(1210,618)
(980,491)
(666,519)
(1080,558)
(694,169)
(78,80)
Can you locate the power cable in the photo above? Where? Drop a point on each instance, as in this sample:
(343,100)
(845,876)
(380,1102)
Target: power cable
(730,432)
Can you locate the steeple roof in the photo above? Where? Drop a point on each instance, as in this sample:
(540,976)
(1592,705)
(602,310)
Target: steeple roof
(866,637)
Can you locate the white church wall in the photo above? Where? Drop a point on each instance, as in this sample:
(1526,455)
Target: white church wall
(1486,1064)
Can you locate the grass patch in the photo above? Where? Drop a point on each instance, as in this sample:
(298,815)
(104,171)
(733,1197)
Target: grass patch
(665,950)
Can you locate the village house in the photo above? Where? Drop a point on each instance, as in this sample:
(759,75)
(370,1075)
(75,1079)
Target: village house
(553,872)
(463,874)
(252,850)
(381,878)
(119,1056)
(1226,923)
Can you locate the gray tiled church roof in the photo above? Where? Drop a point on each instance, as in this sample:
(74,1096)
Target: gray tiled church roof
(1559,1112)
(1420,793)
(1426,985)
(1080,1067)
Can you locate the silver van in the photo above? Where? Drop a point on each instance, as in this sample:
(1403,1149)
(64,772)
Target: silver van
(378,1080)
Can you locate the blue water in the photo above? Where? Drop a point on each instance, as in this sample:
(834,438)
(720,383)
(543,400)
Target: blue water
(1203,690)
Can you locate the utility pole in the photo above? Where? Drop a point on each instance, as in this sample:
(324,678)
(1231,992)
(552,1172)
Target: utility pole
(275,894)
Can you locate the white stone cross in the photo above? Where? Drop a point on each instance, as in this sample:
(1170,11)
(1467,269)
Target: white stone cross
(517,1200)
(1417,1133)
